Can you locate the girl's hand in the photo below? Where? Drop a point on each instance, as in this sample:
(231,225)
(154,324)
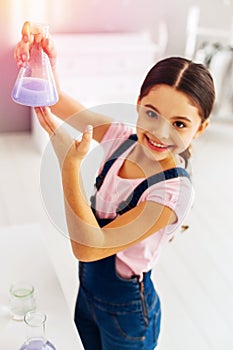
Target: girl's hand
(31,32)
(66,148)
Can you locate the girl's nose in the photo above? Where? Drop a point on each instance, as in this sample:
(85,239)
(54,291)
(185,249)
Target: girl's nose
(162,129)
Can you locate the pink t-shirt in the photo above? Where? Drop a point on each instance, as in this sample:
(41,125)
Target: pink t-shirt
(175,193)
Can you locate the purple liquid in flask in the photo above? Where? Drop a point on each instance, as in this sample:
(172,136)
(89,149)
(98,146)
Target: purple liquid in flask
(34,92)
(38,344)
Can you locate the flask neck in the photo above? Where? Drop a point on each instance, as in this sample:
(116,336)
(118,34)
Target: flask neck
(35,322)
(37,55)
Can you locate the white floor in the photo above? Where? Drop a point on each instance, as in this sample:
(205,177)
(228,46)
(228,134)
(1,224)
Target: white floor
(194,275)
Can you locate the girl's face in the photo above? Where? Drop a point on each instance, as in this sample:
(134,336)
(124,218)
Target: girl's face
(167,121)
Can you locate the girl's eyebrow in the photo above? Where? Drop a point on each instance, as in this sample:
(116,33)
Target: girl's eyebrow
(152,107)
(179,117)
(183,118)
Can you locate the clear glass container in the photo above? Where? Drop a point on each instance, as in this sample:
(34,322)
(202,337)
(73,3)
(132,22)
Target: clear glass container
(35,85)
(22,300)
(36,339)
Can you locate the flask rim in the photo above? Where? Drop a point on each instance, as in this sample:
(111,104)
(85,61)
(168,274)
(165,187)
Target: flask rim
(35,318)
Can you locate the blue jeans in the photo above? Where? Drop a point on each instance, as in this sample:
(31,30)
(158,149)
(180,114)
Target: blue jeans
(113,313)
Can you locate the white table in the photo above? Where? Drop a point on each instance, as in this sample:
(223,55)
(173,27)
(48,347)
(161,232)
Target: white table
(23,256)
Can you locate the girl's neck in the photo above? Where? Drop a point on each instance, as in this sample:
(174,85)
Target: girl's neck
(140,165)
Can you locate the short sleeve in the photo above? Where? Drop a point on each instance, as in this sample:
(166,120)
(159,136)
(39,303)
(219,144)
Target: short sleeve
(177,194)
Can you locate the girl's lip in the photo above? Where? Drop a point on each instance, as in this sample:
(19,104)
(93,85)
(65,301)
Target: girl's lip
(156,145)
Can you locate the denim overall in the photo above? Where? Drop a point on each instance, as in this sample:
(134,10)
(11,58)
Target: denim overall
(112,312)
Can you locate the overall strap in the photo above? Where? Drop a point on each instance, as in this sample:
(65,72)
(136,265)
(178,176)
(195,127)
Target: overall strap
(121,149)
(134,197)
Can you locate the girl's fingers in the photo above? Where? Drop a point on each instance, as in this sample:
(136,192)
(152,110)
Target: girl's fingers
(42,120)
(46,120)
(84,145)
(21,53)
(26,30)
(28,33)
(31,32)
(29,29)
(89,131)
(50,49)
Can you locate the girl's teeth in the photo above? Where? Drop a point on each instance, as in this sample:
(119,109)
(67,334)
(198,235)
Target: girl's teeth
(157,144)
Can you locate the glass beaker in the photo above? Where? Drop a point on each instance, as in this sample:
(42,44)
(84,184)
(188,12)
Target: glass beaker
(36,339)
(35,85)
(22,300)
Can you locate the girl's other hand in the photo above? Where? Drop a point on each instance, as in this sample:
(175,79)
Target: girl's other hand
(46,120)
(66,148)
(32,32)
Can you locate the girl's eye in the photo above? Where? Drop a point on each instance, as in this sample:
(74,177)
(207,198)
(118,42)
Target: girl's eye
(152,114)
(179,125)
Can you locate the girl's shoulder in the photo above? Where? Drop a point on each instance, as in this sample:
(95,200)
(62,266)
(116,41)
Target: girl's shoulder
(116,134)
(118,130)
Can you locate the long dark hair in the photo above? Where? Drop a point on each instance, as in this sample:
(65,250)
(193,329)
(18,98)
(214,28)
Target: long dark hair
(184,75)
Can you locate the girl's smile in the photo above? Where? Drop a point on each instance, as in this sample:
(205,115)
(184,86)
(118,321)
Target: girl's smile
(156,145)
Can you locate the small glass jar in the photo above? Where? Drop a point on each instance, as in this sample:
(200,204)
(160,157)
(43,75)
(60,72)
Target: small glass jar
(22,300)
(36,340)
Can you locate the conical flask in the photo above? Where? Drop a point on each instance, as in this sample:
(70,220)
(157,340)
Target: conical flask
(36,339)
(35,85)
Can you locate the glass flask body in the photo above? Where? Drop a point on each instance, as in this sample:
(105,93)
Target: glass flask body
(36,339)
(35,85)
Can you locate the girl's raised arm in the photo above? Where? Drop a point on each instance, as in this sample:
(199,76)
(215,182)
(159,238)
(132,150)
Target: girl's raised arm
(67,108)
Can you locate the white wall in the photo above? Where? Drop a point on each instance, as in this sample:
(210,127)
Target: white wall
(11,116)
(93,16)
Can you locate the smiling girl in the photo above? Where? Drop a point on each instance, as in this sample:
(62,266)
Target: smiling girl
(141,197)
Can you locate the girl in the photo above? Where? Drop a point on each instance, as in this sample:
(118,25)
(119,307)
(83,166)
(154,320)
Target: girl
(142,195)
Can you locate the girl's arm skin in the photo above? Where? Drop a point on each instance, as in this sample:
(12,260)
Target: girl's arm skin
(67,108)
(89,241)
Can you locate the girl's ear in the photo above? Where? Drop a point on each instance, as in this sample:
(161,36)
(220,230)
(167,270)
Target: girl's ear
(202,128)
